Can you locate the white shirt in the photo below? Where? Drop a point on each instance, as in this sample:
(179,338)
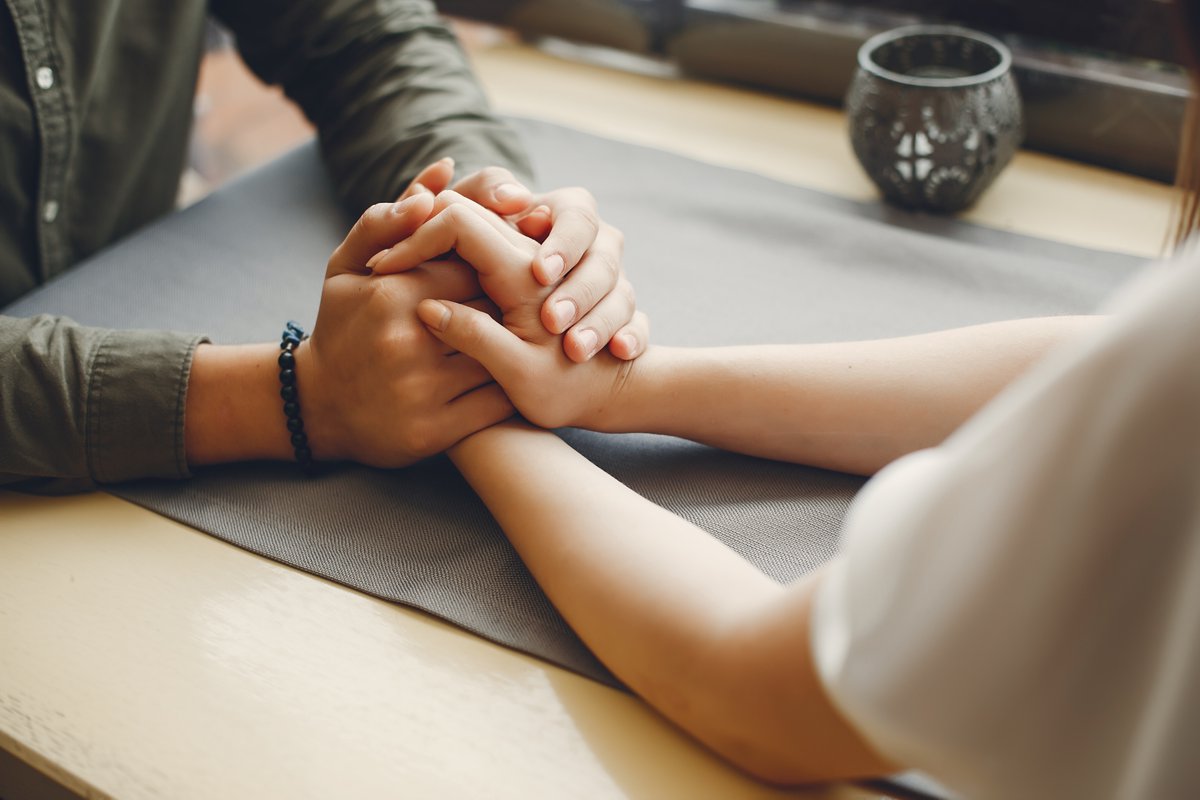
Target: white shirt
(1017,612)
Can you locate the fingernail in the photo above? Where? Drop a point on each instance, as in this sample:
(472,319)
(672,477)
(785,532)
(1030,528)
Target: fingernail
(628,342)
(552,267)
(375,259)
(564,313)
(447,160)
(434,314)
(588,340)
(420,188)
(400,206)
(508,191)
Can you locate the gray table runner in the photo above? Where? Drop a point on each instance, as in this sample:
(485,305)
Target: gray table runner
(718,257)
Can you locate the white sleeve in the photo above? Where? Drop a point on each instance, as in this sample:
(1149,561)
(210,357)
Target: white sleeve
(1017,612)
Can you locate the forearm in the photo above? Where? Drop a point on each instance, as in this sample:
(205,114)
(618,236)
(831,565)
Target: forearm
(386,84)
(674,613)
(851,406)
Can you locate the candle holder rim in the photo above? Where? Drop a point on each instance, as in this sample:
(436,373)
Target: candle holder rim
(867,64)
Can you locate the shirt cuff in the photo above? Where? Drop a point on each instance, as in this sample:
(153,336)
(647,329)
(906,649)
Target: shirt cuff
(137,393)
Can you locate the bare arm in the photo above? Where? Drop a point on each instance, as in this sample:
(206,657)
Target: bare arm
(850,406)
(715,645)
(705,638)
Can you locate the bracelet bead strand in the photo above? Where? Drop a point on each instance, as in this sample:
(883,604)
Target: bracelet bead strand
(292,336)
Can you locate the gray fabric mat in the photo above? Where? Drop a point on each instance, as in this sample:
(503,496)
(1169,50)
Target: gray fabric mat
(718,257)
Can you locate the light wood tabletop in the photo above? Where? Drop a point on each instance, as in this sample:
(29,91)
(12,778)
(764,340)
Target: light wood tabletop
(140,658)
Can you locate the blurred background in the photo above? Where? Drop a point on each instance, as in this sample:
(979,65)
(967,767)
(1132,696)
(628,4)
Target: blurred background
(1102,81)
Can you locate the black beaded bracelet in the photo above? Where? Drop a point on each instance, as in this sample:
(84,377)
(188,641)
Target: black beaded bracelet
(293,335)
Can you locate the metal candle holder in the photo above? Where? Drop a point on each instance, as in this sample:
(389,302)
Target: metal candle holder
(934,114)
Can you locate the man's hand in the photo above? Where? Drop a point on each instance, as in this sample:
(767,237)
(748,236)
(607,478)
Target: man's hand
(375,386)
(579,256)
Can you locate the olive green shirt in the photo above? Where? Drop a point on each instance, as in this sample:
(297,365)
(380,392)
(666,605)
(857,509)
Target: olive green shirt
(95,116)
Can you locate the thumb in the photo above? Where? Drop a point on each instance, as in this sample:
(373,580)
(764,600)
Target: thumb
(380,227)
(474,334)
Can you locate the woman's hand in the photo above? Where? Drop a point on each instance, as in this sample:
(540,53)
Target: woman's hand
(578,255)
(547,388)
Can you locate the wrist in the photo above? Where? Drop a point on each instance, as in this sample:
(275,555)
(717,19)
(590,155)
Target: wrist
(641,394)
(233,411)
(321,419)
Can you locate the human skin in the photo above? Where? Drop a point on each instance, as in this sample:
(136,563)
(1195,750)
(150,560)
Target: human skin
(850,406)
(709,641)
(375,387)
(580,254)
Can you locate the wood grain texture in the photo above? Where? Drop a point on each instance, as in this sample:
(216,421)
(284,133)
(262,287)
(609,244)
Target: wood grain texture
(143,659)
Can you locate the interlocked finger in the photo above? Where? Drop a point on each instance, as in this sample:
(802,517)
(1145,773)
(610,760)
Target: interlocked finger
(596,276)
(588,336)
(460,229)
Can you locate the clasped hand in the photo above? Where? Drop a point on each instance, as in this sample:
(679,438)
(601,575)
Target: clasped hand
(381,388)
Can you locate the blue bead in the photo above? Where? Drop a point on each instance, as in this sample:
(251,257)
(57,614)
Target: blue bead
(288,393)
(299,440)
(295,424)
(287,377)
(287,360)
(291,409)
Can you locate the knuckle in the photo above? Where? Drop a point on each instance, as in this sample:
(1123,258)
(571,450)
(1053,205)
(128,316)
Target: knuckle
(586,295)
(589,217)
(445,199)
(361,225)
(582,196)
(579,224)
(610,266)
(495,175)
(399,342)
(627,291)
(617,236)
(641,323)
(418,437)
(372,215)
(456,214)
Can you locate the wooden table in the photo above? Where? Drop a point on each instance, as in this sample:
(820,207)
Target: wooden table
(140,658)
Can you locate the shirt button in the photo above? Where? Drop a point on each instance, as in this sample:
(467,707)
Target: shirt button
(44,77)
(50,211)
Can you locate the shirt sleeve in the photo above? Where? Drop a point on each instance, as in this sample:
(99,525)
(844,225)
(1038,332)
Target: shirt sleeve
(386,84)
(1017,612)
(85,405)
